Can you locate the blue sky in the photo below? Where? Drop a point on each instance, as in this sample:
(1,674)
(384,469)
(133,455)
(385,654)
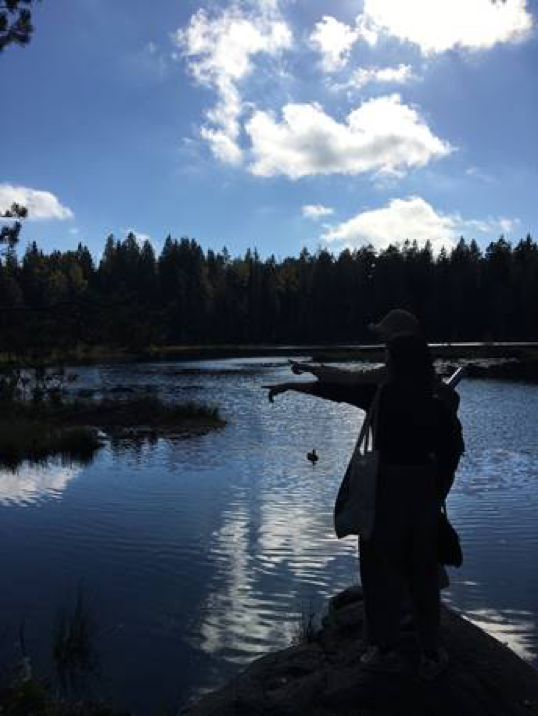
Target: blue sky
(274,124)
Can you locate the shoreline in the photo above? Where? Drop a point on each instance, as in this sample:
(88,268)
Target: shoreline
(339,352)
(488,360)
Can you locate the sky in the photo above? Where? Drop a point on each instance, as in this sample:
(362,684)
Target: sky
(273,124)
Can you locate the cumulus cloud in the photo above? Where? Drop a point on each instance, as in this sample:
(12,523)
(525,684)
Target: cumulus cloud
(382,135)
(402,219)
(219,51)
(334,40)
(440,25)
(402,74)
(316,211)
(40,204)
(412,218)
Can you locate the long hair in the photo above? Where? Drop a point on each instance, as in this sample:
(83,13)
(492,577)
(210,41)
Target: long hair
(410,362)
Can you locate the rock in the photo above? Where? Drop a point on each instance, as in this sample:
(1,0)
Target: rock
(325,677)
(351,595)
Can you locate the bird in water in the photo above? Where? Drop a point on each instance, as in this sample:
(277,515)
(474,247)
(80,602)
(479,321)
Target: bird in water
(312,456)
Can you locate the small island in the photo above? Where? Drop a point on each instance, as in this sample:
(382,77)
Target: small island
(41,418)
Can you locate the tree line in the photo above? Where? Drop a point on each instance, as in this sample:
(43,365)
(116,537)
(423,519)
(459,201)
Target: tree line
(134,298)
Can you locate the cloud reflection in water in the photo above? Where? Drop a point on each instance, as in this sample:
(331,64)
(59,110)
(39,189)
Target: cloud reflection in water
(31,483)
(516,629)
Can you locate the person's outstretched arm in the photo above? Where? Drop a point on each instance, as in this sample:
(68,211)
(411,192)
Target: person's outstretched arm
(358,395)
(339,376)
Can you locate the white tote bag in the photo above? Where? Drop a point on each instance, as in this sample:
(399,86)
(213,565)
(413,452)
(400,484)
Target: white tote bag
(354,510)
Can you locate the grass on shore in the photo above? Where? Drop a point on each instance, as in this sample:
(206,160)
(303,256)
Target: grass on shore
(74,660)
(110,413)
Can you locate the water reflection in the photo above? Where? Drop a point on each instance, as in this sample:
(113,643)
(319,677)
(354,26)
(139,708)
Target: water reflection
(29,484)
(515,629)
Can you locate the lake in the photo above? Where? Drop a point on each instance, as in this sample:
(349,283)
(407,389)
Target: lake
(197,555)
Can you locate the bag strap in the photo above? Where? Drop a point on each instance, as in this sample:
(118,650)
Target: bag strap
(369,423)
(373,414)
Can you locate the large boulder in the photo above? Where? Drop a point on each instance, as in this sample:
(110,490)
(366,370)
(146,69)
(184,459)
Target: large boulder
(322,676)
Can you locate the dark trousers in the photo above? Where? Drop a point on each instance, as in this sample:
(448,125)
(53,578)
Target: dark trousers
(402,553)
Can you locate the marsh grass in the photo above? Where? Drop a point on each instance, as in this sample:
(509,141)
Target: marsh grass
(34,698)
(73,649)
(305,629)
(74,659)
(35,431)
(147,410)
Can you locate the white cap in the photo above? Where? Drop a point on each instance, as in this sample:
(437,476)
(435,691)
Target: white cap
(396,321)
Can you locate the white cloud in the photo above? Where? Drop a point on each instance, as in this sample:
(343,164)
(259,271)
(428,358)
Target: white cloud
(477,173)
(334,40)
(440,25)
(316,211)
(402,74)
(382,135)
(508,225)
(414,219)
(493,227)
(402,219)
(219,52)
(40,204)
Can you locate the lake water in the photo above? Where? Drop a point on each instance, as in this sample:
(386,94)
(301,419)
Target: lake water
(197,555)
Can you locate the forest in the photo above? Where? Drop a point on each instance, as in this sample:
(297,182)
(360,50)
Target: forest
(133,298)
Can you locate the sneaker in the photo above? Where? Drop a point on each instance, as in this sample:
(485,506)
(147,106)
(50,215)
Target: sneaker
(374,659)
(433,666)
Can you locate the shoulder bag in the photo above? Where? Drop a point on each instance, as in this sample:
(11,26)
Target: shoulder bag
(354,510)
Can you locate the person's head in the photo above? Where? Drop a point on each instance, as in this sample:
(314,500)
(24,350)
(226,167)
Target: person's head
(395,322)
(409,361)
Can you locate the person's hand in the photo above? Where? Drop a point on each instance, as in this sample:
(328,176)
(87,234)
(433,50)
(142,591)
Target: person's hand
(275,390)
(298,368)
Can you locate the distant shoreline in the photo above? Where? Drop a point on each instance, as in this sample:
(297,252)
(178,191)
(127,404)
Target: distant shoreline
(318,352)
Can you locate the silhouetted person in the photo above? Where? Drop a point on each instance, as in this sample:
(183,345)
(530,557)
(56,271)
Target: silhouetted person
(419,443)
